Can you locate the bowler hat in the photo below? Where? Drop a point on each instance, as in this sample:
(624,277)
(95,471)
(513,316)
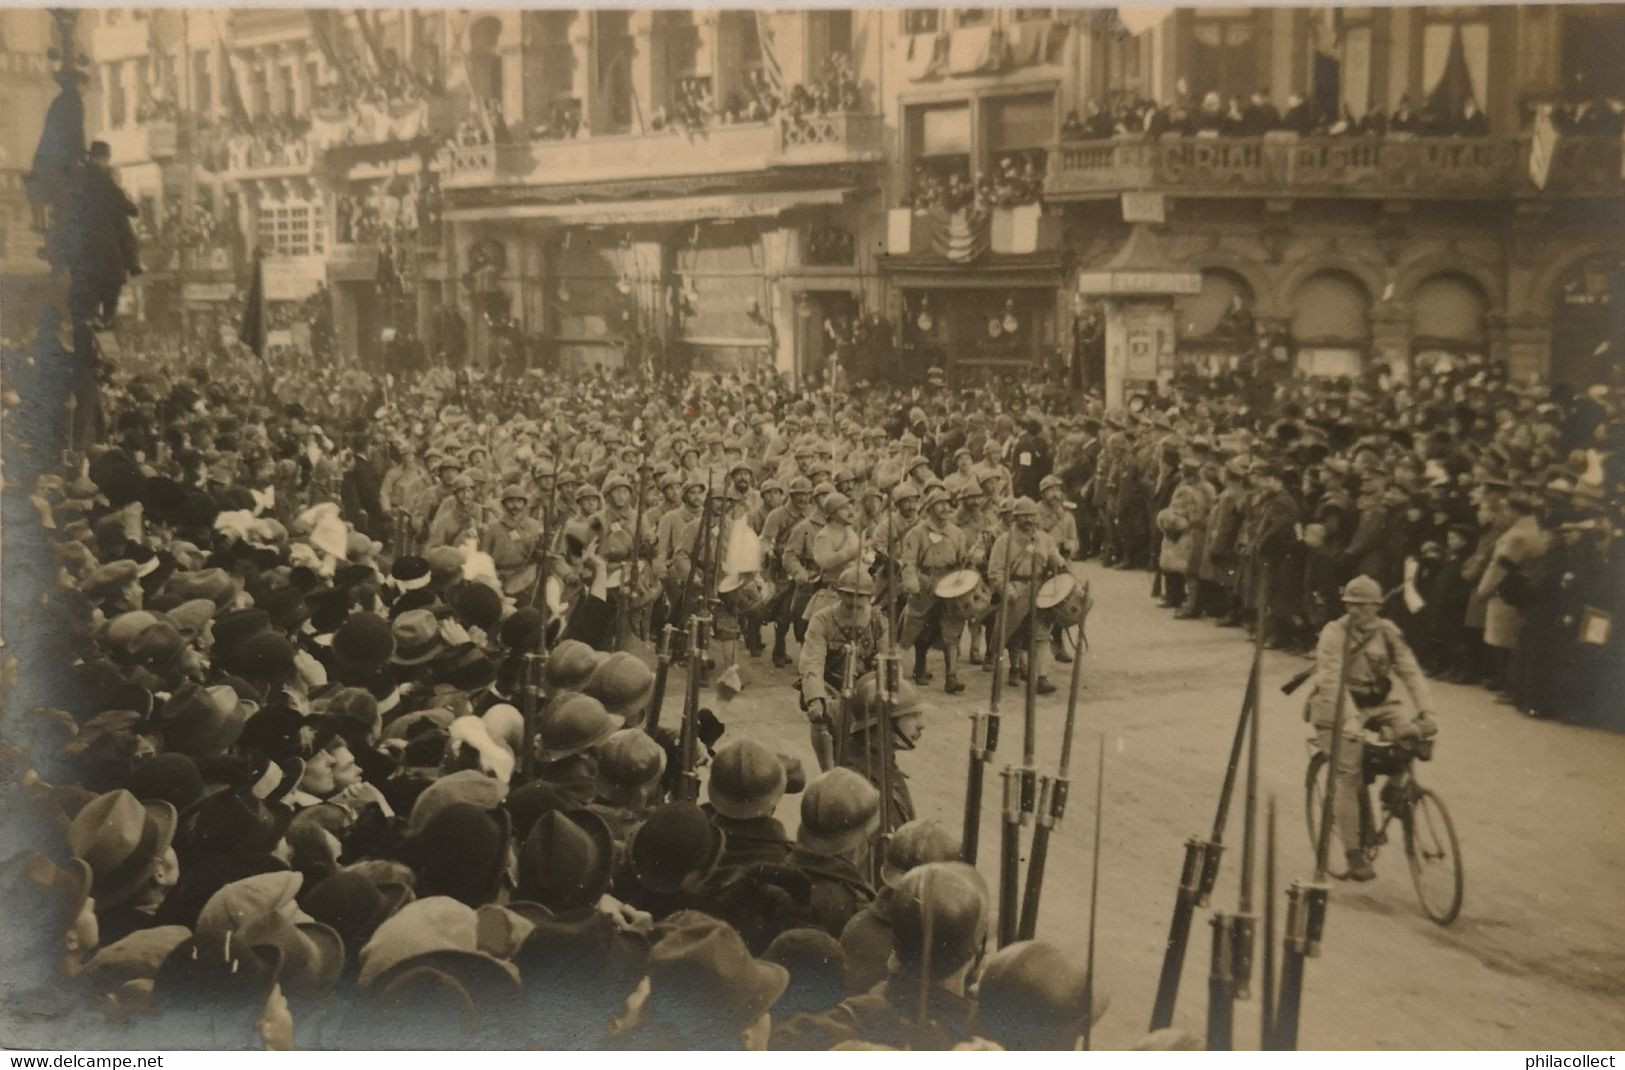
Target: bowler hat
(706,973)
(566,861)
(676,849)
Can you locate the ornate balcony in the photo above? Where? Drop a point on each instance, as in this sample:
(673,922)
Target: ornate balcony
(155,139)
(840,138)
(1284,166)
(1370,168)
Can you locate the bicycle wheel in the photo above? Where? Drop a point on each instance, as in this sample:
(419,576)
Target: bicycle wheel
(1434,856)
(1314,804)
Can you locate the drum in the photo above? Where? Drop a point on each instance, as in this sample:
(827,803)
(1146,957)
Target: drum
(956,584)
(1071,610)
(750,596)
(971,607)
(1056,590)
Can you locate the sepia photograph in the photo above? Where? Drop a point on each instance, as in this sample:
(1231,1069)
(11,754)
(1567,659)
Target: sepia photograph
(620,530)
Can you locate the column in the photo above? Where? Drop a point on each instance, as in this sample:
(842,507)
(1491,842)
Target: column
(584,74)
(1524,341)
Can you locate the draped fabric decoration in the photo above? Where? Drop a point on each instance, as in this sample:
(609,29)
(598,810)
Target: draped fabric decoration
(1454,60)
(926,56)
(770,59)
(974,49)
(960,236)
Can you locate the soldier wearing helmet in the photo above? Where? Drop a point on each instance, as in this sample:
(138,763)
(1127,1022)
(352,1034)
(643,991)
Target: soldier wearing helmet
(1377,652)
(776,528)
(930,550)
(1033,558)
(847,629)
(865,722)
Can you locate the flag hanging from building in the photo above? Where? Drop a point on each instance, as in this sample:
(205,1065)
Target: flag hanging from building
(1543,144)
(960,236)
(252,331)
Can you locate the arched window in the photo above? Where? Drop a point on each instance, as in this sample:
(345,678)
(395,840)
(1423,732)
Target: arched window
(1217,313)
(1447,321)
(1331,323)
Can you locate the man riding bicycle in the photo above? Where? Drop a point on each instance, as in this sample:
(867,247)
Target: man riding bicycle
(1377,652)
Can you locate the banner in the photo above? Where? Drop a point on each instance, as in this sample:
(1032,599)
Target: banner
(960,236)
(1542,148)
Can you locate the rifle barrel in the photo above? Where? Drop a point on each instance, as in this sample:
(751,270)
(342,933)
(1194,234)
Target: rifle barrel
(1266,998)
(1094,896)
(1220,991)
(1179,932)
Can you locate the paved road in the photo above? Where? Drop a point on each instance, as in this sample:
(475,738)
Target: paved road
(1536,960)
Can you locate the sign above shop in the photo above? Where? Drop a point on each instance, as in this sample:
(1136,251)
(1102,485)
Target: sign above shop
(1140,282)
(1144,207)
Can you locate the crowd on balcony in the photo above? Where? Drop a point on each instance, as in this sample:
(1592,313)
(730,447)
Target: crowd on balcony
(1128,114)
(268,141)
(385,214)
(378,103)
(1016,179)
(763,99)
(180,231)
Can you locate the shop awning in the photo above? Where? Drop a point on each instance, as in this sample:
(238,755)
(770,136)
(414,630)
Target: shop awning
(662,210)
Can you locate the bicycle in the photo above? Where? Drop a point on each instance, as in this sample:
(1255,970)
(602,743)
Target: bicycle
(1431,848)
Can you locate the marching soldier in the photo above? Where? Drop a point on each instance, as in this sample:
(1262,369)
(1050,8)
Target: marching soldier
(1033,558)
(774,534)
(835,548)
(863,745)
(932,548)
(847,630)
(511,540)
(797,553)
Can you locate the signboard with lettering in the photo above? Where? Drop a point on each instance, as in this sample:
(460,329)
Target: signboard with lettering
(208,291)
(1143,207)
(293,278)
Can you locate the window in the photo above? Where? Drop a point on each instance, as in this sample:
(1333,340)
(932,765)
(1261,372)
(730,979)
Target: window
(1455,61)
(971,16)
(1592,45)
(1224,54)
(613,40)
(916,21)
(259,91)
(1018,130)
(293,229)
(202,85)
(290,102)
(117,103)
(939,142)
(1030,14)
(682,45)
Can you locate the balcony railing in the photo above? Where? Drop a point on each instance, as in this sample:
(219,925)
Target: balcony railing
(781,142)
(155,139)
(1325,166)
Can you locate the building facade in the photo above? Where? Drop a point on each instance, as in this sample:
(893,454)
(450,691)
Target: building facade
(894,190)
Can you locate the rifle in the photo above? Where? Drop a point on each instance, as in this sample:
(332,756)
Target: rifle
(984,728)
(888,679)
(1020,786)
(629,591)
(544,550)
(1052,793)
(528,746)
(1094,897)
(699,646)
(1306,901)
(1200,870)
(668,634)
(1266,997)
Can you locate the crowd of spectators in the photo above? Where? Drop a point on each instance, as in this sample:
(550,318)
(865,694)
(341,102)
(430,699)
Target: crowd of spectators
(1016,179)
(388,212)
(1487,509)
(268,141)
(1127,114)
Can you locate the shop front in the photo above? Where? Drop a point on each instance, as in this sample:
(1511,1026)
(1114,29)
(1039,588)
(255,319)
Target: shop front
(998,317)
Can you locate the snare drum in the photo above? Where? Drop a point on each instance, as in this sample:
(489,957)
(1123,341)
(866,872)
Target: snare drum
(971,607)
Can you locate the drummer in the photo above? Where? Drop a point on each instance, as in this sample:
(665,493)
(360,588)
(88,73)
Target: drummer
(1055,516)
(1033,557)
(931,551)
(977,524)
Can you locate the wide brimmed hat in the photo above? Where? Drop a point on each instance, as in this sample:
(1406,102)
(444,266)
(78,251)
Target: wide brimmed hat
(120,838)
(676,849)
